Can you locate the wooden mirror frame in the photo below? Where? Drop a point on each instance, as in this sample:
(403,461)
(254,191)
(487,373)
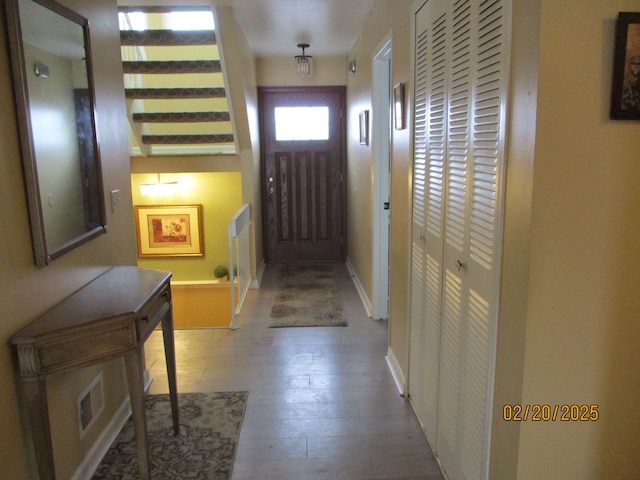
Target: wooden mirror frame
(87,187)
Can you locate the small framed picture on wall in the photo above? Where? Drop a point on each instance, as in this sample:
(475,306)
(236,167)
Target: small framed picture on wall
(398,106)
(625,92)
(364,127)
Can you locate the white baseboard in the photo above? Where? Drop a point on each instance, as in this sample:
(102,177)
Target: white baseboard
(356,281)
(256,282)
(396,371)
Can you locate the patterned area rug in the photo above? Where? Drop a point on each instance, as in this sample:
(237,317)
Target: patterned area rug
(205,448)
(307,296)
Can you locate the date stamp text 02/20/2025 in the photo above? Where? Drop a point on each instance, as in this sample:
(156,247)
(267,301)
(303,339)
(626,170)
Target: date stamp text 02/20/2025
(550,413)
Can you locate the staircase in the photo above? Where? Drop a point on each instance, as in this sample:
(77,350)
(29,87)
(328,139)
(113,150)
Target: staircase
(174,84)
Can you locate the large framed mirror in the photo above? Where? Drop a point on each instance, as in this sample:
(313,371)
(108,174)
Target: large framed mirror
(53,85)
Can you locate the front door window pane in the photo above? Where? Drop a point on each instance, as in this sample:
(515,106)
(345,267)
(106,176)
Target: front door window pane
(302,123)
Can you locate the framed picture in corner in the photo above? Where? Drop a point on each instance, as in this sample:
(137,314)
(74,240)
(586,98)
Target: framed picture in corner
(169,230)
(625,91)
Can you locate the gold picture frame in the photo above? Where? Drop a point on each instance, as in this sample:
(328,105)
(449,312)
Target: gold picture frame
(169,230)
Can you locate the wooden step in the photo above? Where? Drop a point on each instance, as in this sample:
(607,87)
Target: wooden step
(174,93)
(186,139)
(166,38)
(173,67)
(182,117)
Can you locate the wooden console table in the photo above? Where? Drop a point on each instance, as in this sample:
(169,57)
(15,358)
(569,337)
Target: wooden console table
(111,317)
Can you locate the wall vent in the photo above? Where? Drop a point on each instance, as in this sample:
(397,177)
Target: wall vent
(90,404)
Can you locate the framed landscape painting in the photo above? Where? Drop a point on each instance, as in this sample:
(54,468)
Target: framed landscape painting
(169,230)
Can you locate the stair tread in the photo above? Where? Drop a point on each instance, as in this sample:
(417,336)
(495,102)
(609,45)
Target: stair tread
(182,117)
(166,38)
(187,139)
(172,66)
(175,93)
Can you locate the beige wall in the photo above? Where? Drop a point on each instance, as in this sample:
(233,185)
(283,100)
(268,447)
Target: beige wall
(388,18)
(582,331)
(281,72)
(28,291)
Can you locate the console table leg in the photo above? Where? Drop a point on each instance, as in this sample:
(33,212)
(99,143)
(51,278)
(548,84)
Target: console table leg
(170,357)
(136,394)
(34,402)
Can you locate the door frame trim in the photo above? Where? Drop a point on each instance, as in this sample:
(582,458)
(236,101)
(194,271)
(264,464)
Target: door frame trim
(382,138)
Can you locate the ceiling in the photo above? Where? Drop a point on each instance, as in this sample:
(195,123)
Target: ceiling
(275,27)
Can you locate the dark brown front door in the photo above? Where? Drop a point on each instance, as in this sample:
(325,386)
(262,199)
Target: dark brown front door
(302,133)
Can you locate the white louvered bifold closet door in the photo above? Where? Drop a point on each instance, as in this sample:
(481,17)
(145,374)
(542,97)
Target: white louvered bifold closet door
(460,81)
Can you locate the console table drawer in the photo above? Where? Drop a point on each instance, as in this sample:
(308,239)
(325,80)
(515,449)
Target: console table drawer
(76,349)
(152,312)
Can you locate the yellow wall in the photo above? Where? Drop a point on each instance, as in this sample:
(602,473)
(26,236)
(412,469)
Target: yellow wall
(220,195)
(27,291)
(204,304)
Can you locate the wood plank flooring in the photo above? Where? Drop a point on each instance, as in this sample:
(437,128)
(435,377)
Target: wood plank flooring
(322,402)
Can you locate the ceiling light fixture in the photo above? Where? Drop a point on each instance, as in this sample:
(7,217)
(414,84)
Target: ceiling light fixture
(303,62)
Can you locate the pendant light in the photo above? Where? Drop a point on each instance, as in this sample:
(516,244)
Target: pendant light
(303,62)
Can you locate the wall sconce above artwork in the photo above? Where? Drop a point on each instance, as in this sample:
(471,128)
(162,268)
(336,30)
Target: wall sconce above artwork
(158,188)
